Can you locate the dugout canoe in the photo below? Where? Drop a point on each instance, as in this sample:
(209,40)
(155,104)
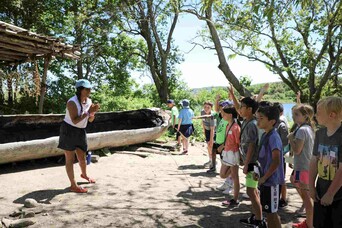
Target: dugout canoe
(26,137)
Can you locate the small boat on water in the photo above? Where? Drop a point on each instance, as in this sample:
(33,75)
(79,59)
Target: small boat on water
(26,137)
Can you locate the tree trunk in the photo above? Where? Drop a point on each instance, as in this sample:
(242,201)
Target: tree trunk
(9,90)
(78,38)
(223,66)
(2,95)
(43,84)
(79,68)
(164,94)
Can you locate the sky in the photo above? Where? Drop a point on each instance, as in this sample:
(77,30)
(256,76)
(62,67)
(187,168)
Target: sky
(199,68)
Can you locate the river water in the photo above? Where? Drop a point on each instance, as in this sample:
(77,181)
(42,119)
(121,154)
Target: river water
(288,111)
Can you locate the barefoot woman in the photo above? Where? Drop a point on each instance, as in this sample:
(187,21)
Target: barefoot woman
(73,137)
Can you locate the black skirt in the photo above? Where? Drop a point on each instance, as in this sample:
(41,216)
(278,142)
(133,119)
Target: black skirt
(71,137)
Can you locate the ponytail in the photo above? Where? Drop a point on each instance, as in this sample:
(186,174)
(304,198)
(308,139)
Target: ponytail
(78,94)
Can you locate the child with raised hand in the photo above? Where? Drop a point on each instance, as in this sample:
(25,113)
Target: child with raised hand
(301,141)
(270,158)
(249,154)
(326,162)
(185,125)
(219,135)
(230,155)
(227,186)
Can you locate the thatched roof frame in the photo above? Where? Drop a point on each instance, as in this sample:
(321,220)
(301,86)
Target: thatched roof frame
(18,45)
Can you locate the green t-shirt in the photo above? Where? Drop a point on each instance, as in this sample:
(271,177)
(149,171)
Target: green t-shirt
(220,129)
(175,113)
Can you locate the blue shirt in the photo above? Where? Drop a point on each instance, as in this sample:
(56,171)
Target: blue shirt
(186,115)
(270,142)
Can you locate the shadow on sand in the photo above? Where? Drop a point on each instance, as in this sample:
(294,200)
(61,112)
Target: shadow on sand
(42,196)
(21,166)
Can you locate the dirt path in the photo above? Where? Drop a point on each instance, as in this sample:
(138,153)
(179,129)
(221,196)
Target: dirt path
(156,191)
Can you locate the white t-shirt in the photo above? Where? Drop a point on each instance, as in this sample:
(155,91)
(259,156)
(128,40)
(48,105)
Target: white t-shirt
(83,123)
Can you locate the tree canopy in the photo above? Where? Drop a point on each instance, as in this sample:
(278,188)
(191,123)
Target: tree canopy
(301,41)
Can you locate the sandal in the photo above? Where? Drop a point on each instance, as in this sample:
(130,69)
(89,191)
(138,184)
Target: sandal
(90,180)
(78,189)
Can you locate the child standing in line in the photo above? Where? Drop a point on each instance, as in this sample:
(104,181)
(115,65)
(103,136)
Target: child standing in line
(227,186)
(248,151)
(220,135)
(185,125)
(209,124)
(301,141)
(174,119)
(282,127)
(326,162)
(230,154)
(270,158)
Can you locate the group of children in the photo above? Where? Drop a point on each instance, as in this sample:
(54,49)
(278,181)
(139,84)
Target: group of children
(259,143)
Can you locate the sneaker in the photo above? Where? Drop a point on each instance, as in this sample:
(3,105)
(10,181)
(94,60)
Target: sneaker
(207,164)
(282,203)
(223,186)
(262,224)
(228,191)
(230,181)
(248,221)
(212,170)
(300,225)
(233,203)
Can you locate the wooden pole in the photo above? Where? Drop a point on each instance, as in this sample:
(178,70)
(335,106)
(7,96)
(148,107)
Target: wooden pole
(47,60)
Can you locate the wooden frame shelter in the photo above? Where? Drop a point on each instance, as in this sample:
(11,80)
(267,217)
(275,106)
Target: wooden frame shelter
(18,45)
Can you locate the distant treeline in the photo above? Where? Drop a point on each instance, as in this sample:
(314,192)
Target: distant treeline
(278,91)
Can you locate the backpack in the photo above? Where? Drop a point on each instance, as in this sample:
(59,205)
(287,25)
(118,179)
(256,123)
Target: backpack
(286,148)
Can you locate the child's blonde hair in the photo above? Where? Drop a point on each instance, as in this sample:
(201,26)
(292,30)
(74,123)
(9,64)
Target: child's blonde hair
(332,104)
(306,110)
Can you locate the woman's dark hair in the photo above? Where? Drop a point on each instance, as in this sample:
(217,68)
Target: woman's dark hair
(78,94)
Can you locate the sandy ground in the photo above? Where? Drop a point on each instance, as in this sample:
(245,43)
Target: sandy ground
(156,191)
